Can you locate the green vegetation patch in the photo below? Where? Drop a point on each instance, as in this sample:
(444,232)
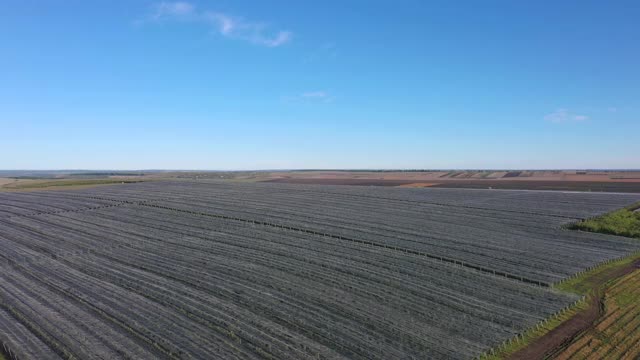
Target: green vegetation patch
(625,222)
(625,299)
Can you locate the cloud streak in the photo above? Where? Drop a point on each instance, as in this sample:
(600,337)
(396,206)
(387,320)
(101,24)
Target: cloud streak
(564,116)
(238,28)
(230,26)
(172,9)
(315,95)
(310,96)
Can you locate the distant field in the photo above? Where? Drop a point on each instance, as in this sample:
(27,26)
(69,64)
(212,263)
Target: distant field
(561,180)
(595,176)
(609,186)
(48,184)
(178,269)
(5,181)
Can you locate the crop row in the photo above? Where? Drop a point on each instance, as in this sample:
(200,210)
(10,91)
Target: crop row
(534,244)
(546,255)
(187,269)
(26,204)
(259,290)
(543,203)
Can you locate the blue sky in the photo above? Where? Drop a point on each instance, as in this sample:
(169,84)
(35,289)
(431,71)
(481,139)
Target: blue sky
(319,84)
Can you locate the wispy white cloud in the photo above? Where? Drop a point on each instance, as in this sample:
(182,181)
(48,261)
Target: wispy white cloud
(315,96)
(564,116)
(225,23)
(281,38)
(233,27)
(327,51)
(238,28)
(172,9)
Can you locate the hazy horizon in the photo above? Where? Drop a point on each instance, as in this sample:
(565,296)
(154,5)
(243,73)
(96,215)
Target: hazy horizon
(99,170)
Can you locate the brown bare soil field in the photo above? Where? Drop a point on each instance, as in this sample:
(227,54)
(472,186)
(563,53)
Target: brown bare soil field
(520,175)
(520,184)
(5,181)
(9,182)
(564,180)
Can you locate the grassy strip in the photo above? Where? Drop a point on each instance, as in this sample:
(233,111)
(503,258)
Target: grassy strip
(522,341)
(624,222)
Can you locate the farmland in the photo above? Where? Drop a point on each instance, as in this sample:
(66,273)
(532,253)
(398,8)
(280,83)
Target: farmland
(206,269)
(587,180)
(49,184)
(616,333)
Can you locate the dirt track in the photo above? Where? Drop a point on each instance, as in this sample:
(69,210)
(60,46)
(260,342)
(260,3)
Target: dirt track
(557,339)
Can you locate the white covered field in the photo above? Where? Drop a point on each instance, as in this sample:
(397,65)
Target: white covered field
(183,269)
